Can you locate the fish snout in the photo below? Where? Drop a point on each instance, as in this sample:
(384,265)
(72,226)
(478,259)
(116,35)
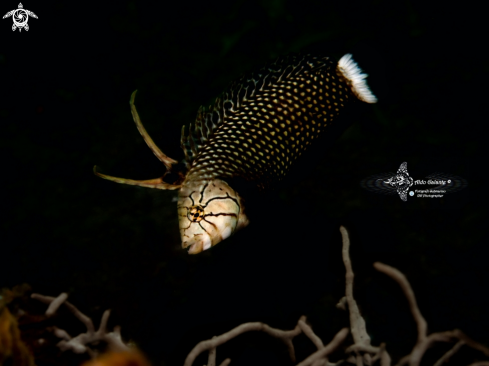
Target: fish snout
(197,244)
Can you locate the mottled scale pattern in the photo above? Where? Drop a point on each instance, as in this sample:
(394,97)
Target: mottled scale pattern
(264,121)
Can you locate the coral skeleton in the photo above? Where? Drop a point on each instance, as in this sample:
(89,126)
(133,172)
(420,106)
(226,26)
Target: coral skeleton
(360,353)
(81,343)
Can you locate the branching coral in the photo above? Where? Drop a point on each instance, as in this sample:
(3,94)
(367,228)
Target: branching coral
(425,341)
(361,352)
(81,343)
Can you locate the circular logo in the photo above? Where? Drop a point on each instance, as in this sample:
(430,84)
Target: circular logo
(20,17)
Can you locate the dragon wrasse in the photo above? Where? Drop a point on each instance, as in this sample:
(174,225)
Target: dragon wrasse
(255,130)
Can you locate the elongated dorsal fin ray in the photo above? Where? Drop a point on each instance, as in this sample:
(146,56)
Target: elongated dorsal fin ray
(149,141)
(167,161)
(157,183)
(197,136)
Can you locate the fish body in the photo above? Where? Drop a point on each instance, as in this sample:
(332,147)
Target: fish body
(255,130)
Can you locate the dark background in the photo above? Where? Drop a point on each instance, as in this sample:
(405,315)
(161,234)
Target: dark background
(64,92)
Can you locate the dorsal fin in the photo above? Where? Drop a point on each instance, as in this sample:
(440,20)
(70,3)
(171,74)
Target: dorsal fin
(240,90)
(192,142)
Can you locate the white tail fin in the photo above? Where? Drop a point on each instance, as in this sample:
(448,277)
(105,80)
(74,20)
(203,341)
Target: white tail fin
(353,73)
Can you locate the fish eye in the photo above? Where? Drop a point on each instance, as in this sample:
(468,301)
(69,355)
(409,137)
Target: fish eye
(195,213)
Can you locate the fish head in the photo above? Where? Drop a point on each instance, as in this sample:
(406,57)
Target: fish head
(209,211)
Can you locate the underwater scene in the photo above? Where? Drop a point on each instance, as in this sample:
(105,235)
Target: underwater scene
(263,182)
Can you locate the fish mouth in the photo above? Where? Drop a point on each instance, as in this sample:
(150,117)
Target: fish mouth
(194,248)
(197,244)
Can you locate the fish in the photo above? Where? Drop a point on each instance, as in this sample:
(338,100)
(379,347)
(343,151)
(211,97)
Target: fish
(255,131)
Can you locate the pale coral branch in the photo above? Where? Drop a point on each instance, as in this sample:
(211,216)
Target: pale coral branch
(81,317)
(307,330)
(383,355)
(371,353)
(342,303)
(310,334)
(226,362)
(397,276)
(357,323)
(357,348)
(449,353)
(56,303)
(364,351)
(61,333)
(284,335)
(358,327)
(211,360)
(326,350)
(79,344)
(320,362)
(425,341)
(415,357)
(472,344)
